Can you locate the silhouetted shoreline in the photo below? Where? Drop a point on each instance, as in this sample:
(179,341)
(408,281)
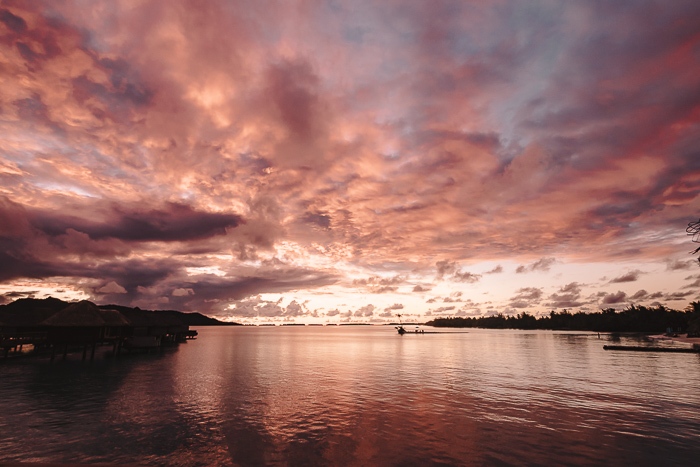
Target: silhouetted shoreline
(51,326)
(631,319)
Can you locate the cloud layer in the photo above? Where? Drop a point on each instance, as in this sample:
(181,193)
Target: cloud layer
(171,155)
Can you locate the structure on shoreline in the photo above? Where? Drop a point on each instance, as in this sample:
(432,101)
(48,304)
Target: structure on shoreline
(52,326)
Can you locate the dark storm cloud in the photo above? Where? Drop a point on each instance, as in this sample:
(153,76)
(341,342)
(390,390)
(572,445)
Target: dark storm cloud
(215,294)
(173,222)
(24,252)
(30,257)
(40,244)
(131,274)
(14,22)
(17,263)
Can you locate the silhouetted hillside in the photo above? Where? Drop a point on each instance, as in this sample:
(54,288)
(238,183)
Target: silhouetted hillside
(191,319)
(32,311)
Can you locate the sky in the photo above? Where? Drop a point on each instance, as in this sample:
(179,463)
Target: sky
(349,161)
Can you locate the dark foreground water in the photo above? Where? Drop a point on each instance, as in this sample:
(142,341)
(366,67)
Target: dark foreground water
(357,396)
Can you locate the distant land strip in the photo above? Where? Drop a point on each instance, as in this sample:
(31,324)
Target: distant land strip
(634,318)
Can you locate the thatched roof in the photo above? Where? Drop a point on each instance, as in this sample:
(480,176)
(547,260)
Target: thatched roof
(80,314)
(113,318)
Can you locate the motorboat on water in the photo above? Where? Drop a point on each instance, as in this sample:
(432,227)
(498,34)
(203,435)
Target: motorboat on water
(400,328)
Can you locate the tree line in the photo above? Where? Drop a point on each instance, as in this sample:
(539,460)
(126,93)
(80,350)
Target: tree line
(634,318)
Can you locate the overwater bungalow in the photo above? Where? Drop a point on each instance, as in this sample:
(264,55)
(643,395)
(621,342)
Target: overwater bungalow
(84,322)
(151,329)
(21,323)
(55,325)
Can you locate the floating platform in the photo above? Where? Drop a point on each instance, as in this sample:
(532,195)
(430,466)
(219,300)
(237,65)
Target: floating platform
(640,348)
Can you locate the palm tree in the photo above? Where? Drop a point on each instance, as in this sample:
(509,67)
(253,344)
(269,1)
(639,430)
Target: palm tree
(694,230)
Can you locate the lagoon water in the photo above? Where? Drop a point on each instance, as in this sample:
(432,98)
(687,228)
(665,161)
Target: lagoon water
(357,395)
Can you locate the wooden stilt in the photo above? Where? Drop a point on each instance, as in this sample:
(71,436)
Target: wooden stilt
(92,354)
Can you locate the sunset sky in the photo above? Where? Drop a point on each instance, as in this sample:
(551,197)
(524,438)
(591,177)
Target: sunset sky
(349,160)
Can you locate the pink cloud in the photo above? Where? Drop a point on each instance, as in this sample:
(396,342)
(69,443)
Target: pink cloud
(326,144)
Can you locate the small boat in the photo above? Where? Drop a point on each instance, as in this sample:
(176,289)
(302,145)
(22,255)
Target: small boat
(400,328)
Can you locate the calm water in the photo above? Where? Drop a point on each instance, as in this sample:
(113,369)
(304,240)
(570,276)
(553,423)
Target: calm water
(357,396)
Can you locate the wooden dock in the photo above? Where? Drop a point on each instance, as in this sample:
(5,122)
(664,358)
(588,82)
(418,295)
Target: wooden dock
(642,348)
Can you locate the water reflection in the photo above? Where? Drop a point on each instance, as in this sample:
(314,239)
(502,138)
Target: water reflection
(358,396)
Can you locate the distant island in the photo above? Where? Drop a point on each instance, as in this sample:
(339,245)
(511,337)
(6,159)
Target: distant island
(634,318)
